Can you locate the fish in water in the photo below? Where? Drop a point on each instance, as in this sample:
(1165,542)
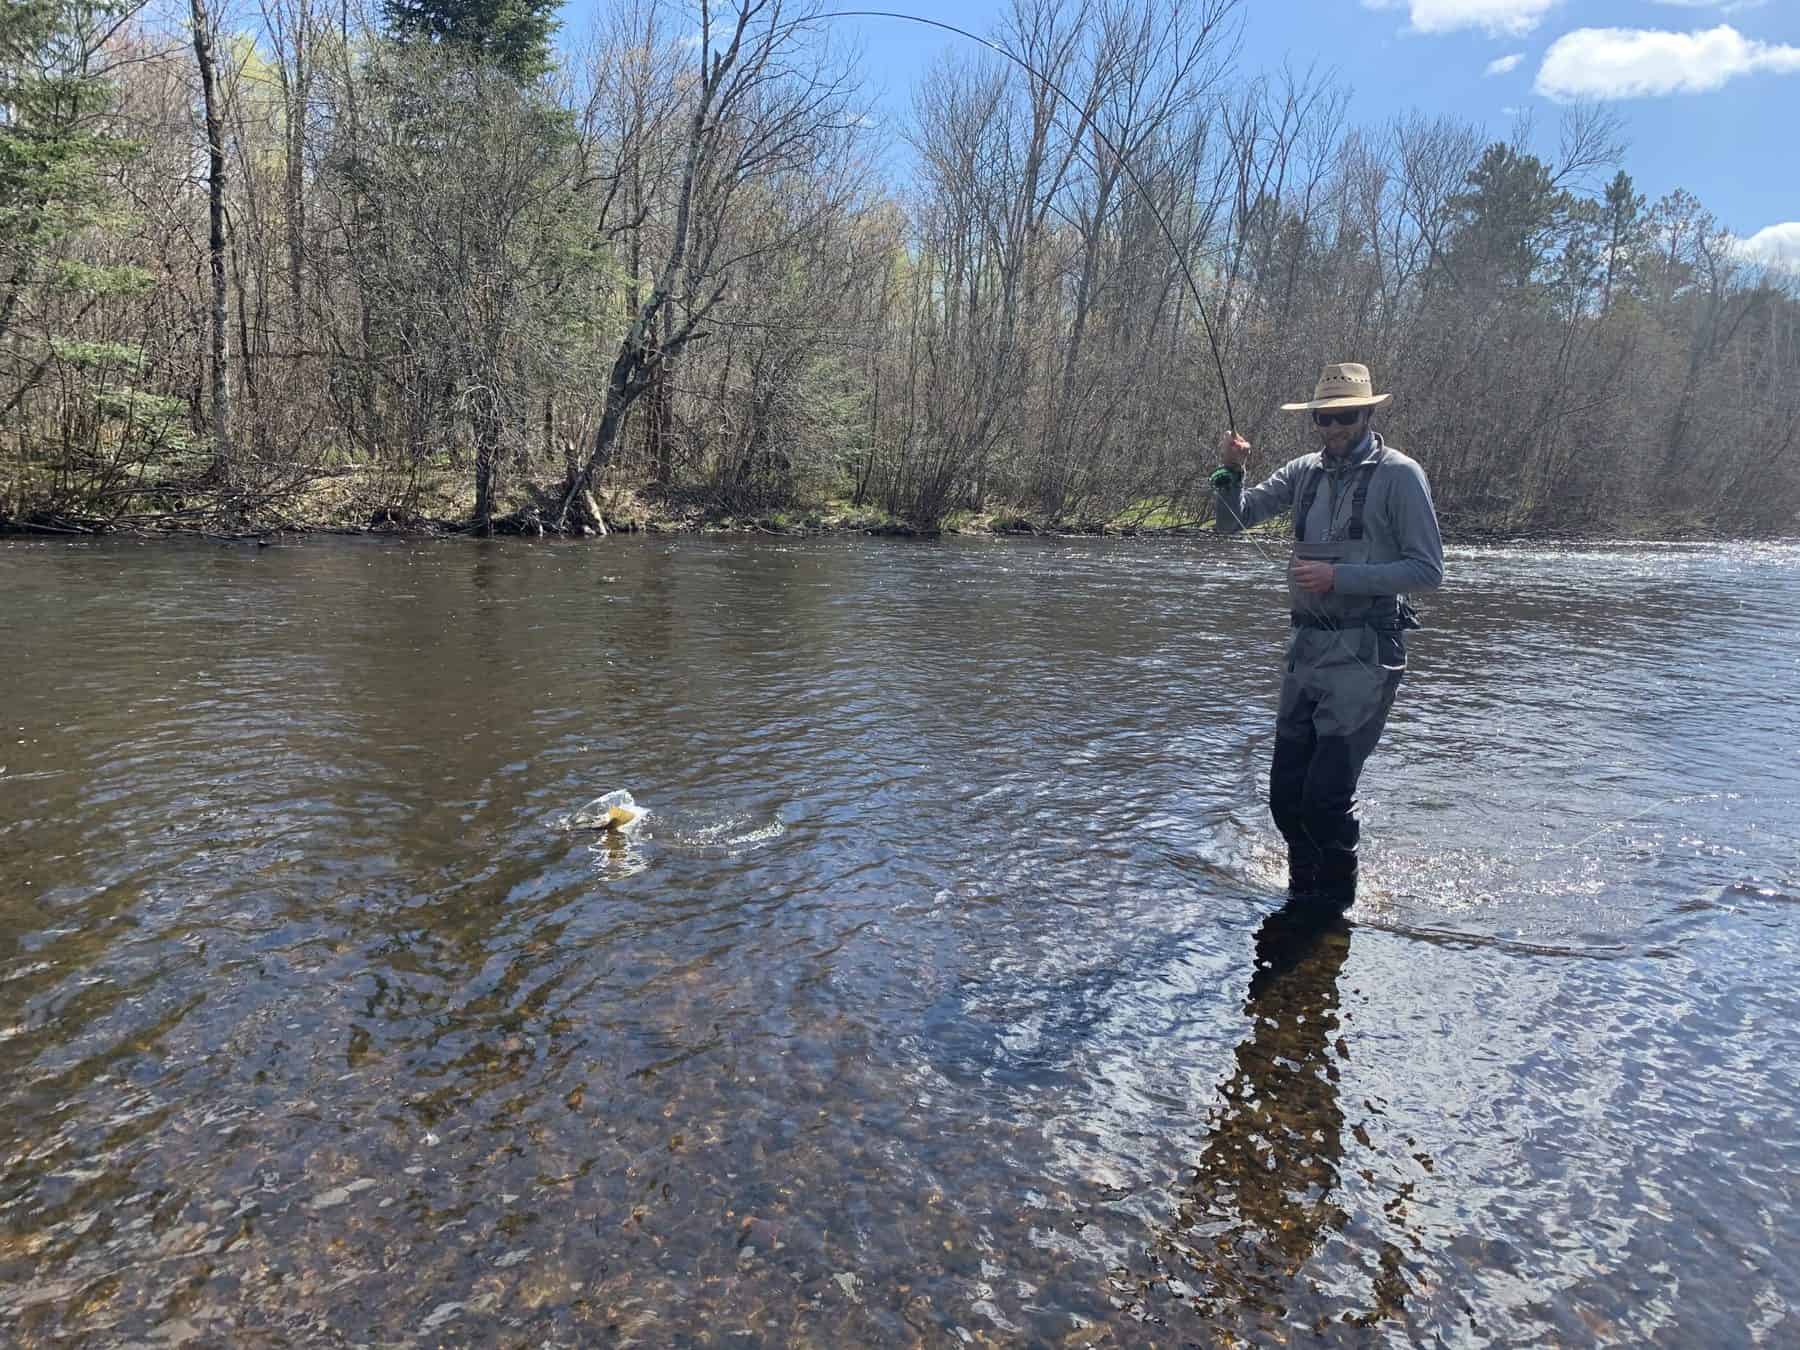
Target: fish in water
(616,813)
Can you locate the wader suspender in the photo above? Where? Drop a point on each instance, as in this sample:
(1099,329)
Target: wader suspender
(1357,499)
(1383,611)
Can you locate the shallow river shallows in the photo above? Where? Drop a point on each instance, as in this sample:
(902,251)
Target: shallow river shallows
(944,996)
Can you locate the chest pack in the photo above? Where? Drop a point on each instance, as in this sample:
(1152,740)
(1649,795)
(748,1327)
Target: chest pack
(1359,497)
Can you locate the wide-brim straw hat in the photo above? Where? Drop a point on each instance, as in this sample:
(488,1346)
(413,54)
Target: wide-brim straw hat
(1345,385)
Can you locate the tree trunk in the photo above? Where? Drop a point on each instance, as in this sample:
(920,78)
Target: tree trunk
(487,445)
(296,91)
(215,209)
(621,392)
(659,424)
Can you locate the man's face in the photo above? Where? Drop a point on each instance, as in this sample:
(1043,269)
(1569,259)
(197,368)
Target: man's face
(1336,434)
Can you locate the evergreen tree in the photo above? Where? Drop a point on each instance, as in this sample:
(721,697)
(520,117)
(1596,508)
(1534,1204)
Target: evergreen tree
(1509,218)
(512,34)
(56,156)
(1625,233)
(478,261)
(52,160)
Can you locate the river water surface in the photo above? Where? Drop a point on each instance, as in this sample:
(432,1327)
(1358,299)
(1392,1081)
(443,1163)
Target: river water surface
(944,996)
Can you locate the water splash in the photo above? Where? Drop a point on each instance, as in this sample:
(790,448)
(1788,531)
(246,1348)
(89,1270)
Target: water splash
(724,837)
(615,812)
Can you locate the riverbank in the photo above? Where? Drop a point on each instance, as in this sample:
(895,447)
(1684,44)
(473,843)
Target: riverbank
(839,519)
(349,504)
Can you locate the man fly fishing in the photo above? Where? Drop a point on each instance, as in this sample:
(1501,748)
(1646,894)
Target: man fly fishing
(1365,536)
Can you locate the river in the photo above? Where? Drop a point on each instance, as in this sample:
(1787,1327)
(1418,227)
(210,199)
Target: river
(920,1008)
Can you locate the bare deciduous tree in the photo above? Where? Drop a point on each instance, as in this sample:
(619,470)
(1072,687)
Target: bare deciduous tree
(761,105)
(408,282)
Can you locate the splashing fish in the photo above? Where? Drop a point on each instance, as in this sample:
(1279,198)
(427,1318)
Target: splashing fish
(616,813)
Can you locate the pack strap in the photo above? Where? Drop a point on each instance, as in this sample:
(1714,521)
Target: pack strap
(1358,499)
(1361,495)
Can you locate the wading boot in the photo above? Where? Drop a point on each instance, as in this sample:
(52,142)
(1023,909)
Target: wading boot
(1303,878)
(1337,877)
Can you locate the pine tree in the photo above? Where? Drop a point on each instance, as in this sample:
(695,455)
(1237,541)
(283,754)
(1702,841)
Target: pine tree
(56,157)
(1622,215)
(1509,217)
(512,34)
(52,161)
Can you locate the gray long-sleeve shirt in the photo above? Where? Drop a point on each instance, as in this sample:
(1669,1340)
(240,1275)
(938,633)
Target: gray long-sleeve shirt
(1405,551)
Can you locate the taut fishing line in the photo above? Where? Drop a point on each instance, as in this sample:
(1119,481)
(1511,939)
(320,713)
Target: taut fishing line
(1149,202)
(1118,154)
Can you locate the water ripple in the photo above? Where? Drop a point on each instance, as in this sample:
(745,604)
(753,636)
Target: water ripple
(944,994)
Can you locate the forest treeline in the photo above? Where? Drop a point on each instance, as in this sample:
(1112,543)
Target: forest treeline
(291,261)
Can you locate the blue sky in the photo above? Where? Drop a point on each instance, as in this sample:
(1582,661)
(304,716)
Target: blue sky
(1708,110)
(1708,90)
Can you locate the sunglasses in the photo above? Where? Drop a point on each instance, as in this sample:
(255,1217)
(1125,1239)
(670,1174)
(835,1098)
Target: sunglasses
(1347,418)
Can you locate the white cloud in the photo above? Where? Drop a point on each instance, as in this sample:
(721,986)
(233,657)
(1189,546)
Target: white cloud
(1500,65)
(1512,17)
(1639,62)
(1773,246)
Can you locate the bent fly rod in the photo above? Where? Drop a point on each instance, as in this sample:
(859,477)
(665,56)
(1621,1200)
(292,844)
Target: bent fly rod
(1112,147)
(1144,194)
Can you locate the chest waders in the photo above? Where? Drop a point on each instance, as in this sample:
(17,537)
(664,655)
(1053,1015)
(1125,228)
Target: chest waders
(1344,661)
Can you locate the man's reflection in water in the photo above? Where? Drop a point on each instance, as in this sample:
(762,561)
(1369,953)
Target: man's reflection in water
(1265,1192)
